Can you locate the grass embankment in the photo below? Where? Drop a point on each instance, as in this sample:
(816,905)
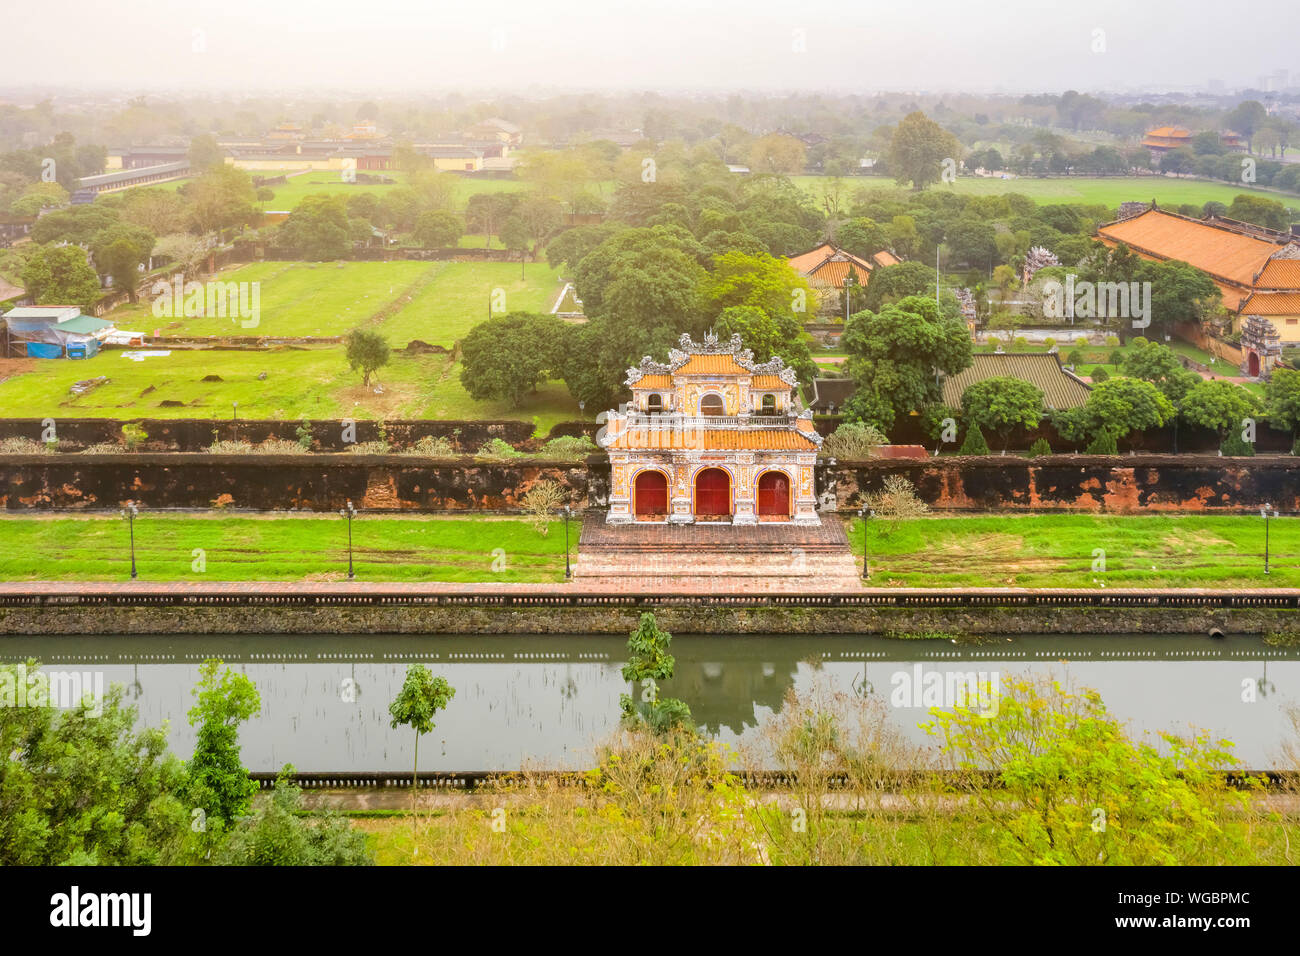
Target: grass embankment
(281,548)
(1059,551)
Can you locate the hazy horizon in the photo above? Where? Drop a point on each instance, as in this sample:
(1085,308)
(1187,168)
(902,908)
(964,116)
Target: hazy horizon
(401,46)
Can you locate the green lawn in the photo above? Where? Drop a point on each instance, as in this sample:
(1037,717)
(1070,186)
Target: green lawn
(1107,191)
(280,548)
(312,383)
(446,308)
(1057,551)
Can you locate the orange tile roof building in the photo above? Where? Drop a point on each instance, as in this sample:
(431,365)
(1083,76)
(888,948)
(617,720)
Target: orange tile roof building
(712,436)
(1166,138)
(1256,269)
(828,266)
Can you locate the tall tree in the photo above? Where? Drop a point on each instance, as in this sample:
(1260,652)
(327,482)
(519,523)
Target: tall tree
(218,782)
(421,697)
(918,149)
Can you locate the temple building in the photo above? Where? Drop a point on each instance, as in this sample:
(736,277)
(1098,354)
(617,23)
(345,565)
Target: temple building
(712,436)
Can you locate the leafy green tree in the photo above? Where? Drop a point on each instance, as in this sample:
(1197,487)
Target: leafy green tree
(278,834)
(119,251)
(485,212)
(1003,403)
(769,336)
(1247,118)
(205,154)
(862,236)
(368,351)
(437,229)
(1260,210)
(1073,789)
(508,356)
(318,228)
(1282,397)
(1160,365)
(76,224)
(82,786)
(974,443)
(59,275)
(777,153)
(223,198)
(1222,406)
(569,247)
(917,150)
(514,236)
(648,663)
(897,282)
(1116,408)
(218,782)
(421,697)
(894,355)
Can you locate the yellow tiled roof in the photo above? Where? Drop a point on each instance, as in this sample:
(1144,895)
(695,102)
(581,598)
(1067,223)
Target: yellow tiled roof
(1042,369)
(1224,255)
(723,363)
(1272,303)
(1280,274)
(771,382)
(715,439)
(654,381)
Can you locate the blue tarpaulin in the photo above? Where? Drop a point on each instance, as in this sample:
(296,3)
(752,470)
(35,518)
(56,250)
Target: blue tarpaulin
(44,350)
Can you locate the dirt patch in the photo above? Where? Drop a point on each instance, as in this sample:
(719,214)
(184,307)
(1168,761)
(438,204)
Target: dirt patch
(389,404)
(10,367)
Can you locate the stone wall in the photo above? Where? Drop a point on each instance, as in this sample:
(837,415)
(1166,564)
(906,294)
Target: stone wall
(277,482)
(612,620)
(1095,483)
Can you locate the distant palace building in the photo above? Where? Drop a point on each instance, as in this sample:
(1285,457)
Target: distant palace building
(712,436)
(828,265)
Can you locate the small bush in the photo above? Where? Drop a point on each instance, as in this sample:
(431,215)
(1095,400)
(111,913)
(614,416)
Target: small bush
(569,446)
(1050,343)
(1112,341)
(974,443)
(1038,449)
(896,501)
(1099,374)
(1081,341)
(280,446)
(541,501)
(303,431)
(1116,358)
(369,448)
(1019,344)
(1235,446)
(220,447)
(496,448)
(853,441)
(1138,341)
(430,447)
(1103,444)
(25,446)
(134,435)
(1075,358)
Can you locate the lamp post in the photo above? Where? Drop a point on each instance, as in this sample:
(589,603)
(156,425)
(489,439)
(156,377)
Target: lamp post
(1266,512)
(866,514)
(848,294)
(568,571)
(130,513)
(349,512)
(235,407)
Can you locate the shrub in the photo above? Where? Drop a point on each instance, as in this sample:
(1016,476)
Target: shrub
(496,448)
(220,447)
(1075,358)
(1019,343)
(303,431)
(369,448)
(103,448)
(1050,343)
(1038,449)
(430,447)
(1112,341)
(1295,449)
(134,435)
(853,441)
(974,443)
(569,446)
(1081,341)
(1099,373)
(24,446)
(541,501)
(1138,341)
(280,446)
(1235,446)
(1116,358)
(1103,444)
(896,501)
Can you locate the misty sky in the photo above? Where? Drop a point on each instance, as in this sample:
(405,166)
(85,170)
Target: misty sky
(300,45)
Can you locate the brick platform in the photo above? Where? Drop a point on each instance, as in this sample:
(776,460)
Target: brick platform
(765,557)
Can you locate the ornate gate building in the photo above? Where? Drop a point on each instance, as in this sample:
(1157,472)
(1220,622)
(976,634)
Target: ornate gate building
(712,436)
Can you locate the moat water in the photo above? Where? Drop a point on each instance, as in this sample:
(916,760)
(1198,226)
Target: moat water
(545,701)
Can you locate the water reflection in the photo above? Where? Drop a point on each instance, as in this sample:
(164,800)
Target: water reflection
(545,700)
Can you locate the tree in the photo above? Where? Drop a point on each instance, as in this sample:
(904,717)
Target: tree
(422,695)
(218,783)
(119,251)
(1180,293)
(541,217)
(918,148)
(435,229)
(279,835)
(862,236)
(484,212)
(220,199)
(897,282)
(185,252)
(61,275)
(974,442)
(1282,396)
(368,351)
(648,663)
(896,355)
(768,336)
(1160,365)
(1002,403)
(508,356)
(777,153)
(1222,406)
(205,154)
(1063,765)
(1246,118)
(1116,408)
(318,228)
(514,236)
(569,247)
(81,785)
(1260,210)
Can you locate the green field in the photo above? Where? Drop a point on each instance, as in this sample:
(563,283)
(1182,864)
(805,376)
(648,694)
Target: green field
(1108,191)
(311,383)
(280,548)
(1057,551)
(437,302)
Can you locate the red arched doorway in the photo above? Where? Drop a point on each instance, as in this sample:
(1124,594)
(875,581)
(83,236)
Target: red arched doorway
(773,495)
(650,495)
(712,493)
(1252,365)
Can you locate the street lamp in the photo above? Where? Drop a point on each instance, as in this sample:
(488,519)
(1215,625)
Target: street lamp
(1266,512)
(349,512)
(235,407)
(848,294)
(568,571)
(866,513)
(130,513)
